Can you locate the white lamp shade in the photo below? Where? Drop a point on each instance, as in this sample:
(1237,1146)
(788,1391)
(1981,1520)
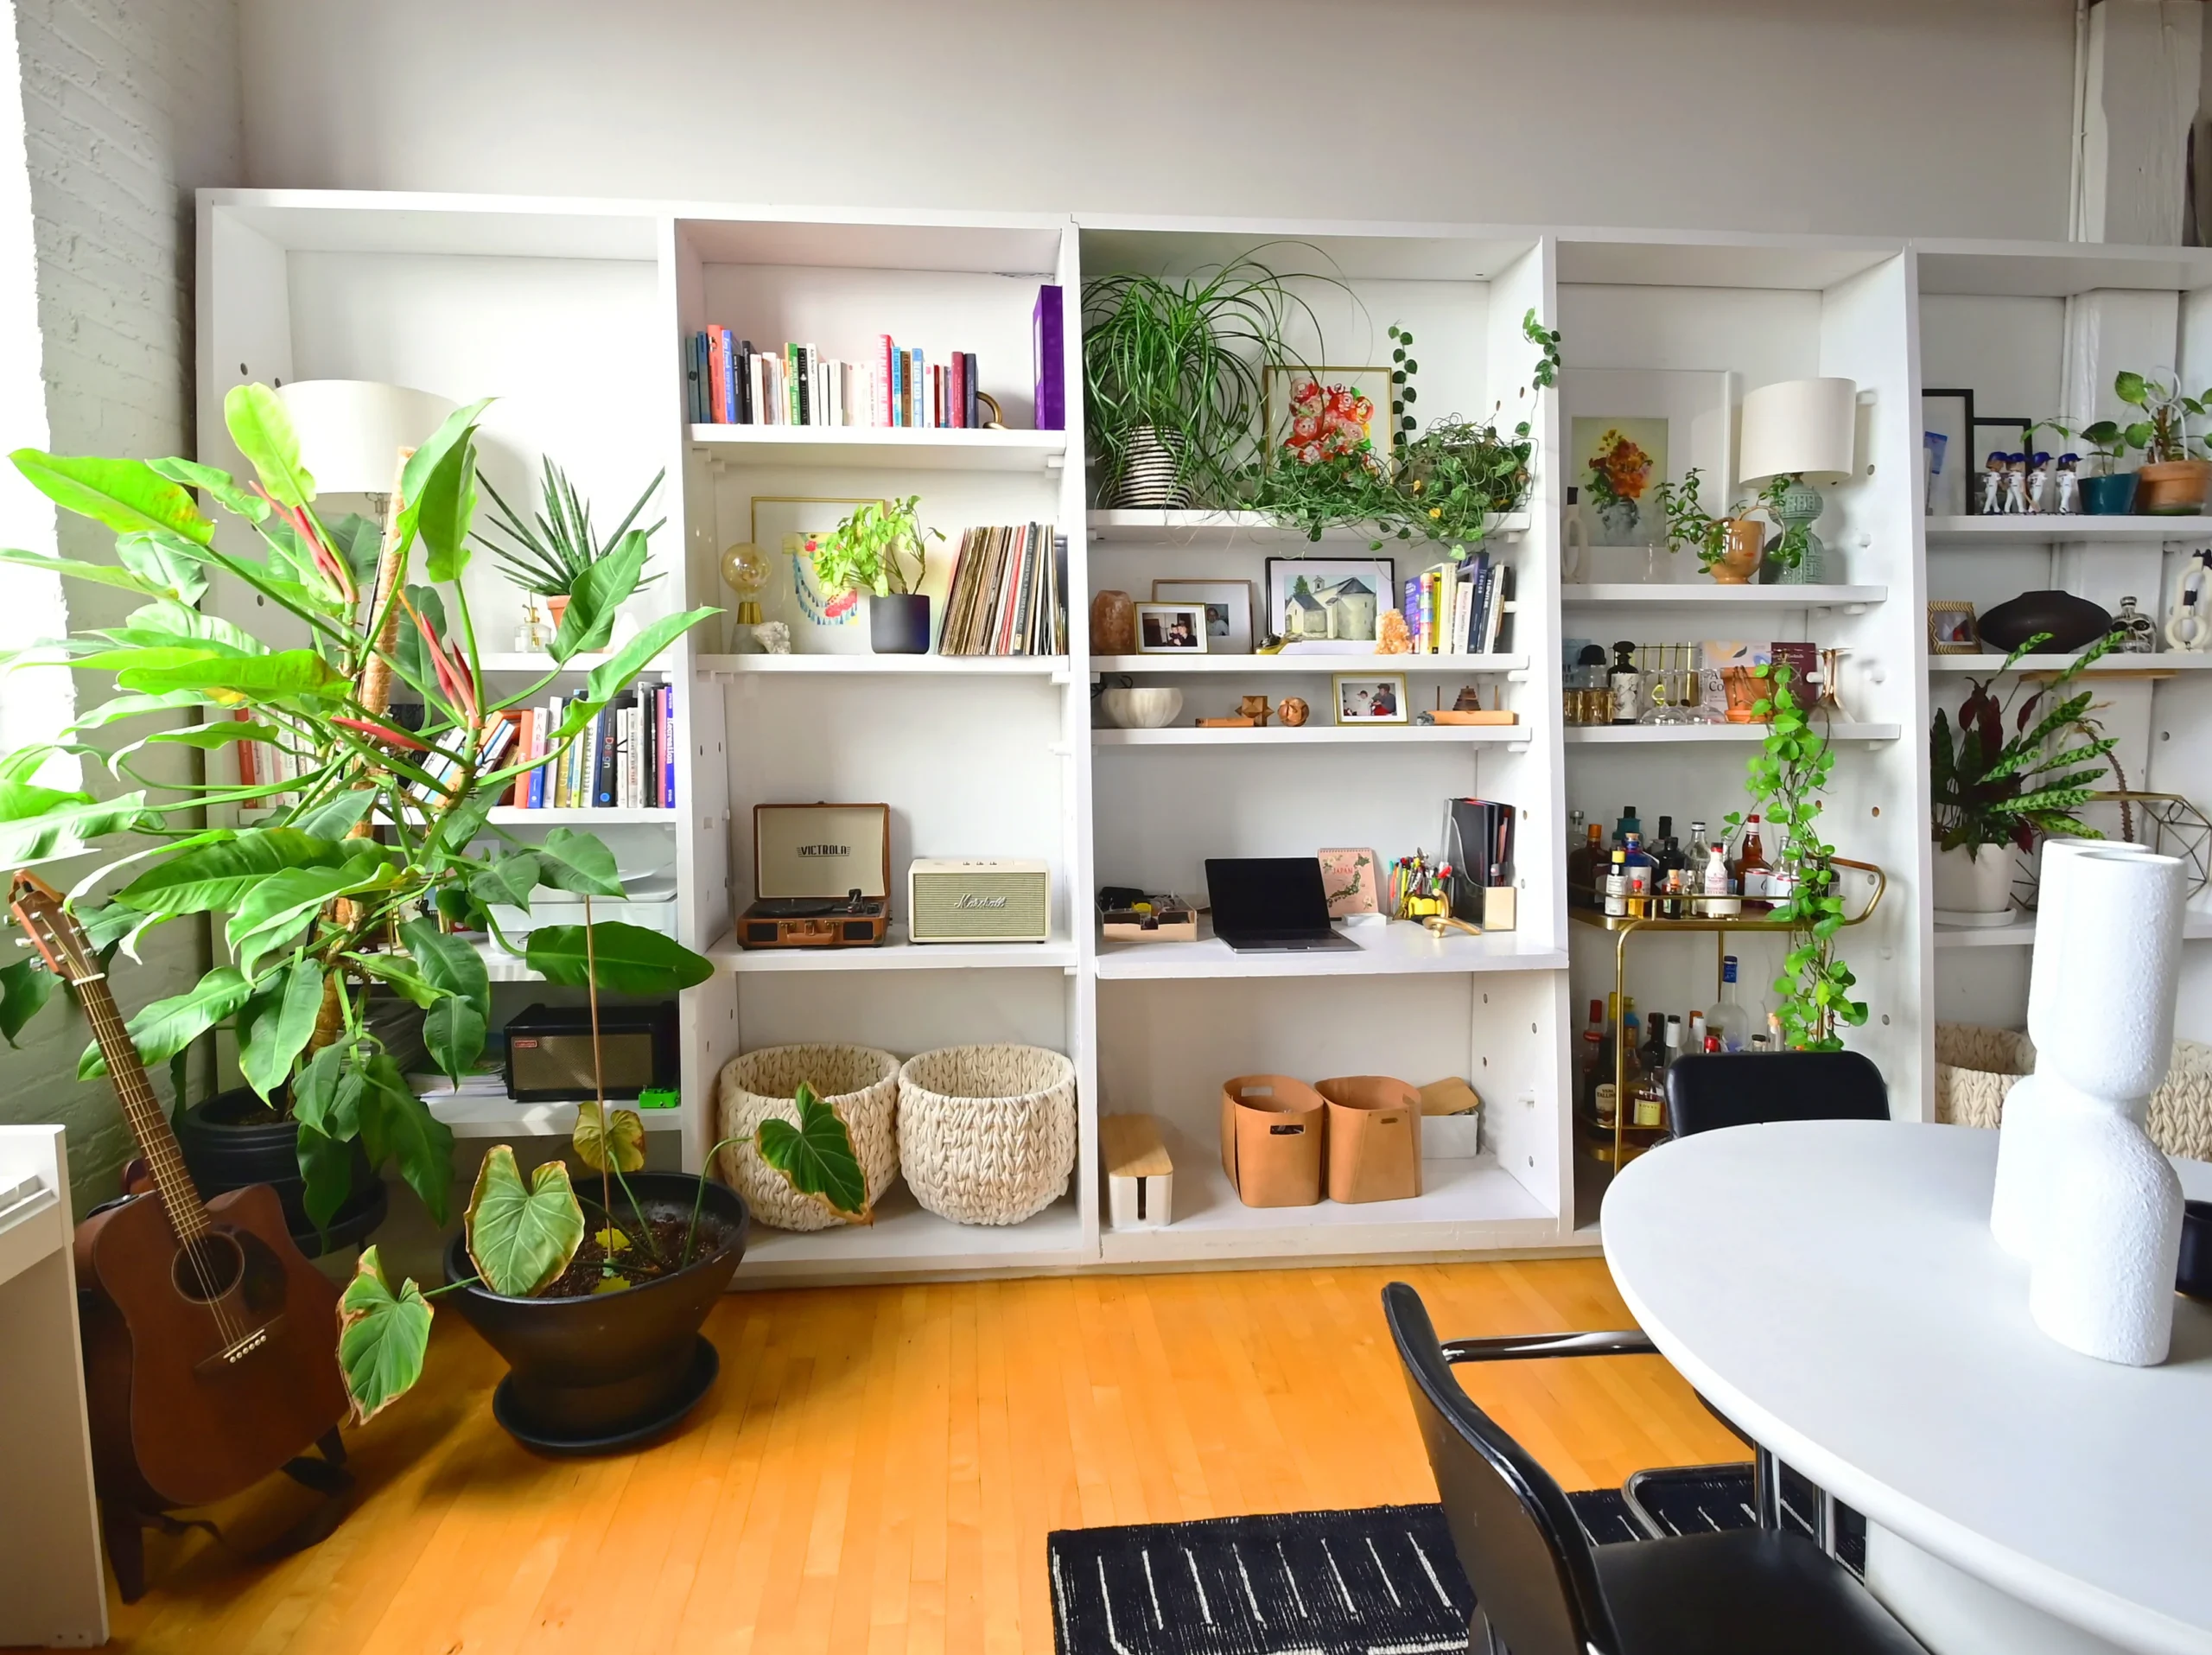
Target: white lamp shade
(351,431)
(1799,425)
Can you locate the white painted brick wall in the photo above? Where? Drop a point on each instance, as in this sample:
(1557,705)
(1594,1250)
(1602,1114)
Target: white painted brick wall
(129,105)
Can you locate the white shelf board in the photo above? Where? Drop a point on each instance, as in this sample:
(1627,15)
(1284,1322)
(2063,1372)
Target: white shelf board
(477,1116)
(1309,664)
(537,666)
(933,449)
(1464,1204)
(1964,531)
(1398,949)
(1772,597)
(1310,736)
(1054,667)
(1639,735)
(2169,661)
(500,965)
(905,1239)
(895,953)
(1220,530)
(2196,925)
(508,816)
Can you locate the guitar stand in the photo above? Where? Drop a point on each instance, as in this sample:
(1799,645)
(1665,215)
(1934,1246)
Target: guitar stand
(123,1524)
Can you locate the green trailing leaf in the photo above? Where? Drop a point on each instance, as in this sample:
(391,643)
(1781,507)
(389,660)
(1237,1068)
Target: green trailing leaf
(597,594)
(40,825)
(222,732)
(443,514)
(569,861)
(460,427)
(619,670)
(507,881)
(454,1030)
(273,911)
(25,987)
(413,655)
(229,682)
(336,817)
(630,959)
(218,878)
(70,568)
(165,1028)
(816,1156)
(261,427)
(326,1104)
(621,1141)
(276,1024)
(397,972)
(217,484)
(383,1337)
(396,1126)
(128,495)
(522,1236)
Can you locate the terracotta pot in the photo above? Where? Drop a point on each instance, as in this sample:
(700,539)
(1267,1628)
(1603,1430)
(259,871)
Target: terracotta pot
(558,607)
(1744,689)
(1746,540)
(1113,624)
(1974,884)
(2173,488)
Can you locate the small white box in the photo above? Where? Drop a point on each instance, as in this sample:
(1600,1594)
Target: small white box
(1139,1177)
(1451,1137)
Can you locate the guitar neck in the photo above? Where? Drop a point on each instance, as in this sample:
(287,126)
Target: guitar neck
(180,1197)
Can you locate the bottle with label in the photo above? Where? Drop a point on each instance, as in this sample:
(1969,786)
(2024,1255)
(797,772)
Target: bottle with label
(1695,1037)
(1716,878)
(1638,862)
(1628,823)
(1602,1095)
(1666,849)
(1751,870)
(1587,865)
(1660,1052)
(1616,887)
(1631,1045)
(1593,1048)
(1673,902)
(1626,684)
(1726,1021)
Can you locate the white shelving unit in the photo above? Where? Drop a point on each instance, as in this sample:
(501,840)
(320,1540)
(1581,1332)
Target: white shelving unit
(1003,757)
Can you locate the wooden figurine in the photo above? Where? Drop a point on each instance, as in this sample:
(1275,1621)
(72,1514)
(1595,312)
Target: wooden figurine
(1254,708)
(1293,711)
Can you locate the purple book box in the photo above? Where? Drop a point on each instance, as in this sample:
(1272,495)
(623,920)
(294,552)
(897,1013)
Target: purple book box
(1048,344)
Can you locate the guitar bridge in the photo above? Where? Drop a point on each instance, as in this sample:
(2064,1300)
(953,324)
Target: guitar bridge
(239,1349)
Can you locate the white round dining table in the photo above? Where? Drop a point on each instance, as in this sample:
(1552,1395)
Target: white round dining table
(1831,1287)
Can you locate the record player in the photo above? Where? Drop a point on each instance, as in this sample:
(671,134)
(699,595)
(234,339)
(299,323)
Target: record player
(823,875)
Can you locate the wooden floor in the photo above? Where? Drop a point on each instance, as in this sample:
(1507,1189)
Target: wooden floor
(877,1467)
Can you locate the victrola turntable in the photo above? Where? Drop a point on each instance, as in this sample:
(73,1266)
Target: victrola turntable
(823,874)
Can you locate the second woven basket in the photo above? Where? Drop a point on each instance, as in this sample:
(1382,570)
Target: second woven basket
(987,1134)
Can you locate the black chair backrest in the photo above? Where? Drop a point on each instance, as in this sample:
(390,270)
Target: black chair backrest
(1517,1539)
(1709,1090)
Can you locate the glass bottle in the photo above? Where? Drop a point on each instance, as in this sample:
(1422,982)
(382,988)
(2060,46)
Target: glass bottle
(1631,1047)
(1650,1105)
(1603,1094)
(1716,879)
(1695,1038)
(1586,867)
(1593,1046)
(1638,862)
(1626,684)
(1750,868)
(1628,823)
(1616,887)
(1666,850)
(1726,1021)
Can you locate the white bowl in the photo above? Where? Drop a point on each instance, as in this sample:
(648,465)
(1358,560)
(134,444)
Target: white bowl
(1148,708)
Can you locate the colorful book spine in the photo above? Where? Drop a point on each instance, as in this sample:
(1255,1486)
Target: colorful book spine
(970,417)
(668,747)
(1048,345)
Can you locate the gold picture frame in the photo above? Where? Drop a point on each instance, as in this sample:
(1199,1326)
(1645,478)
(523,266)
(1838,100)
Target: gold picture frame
(1278,379)
(1953,627)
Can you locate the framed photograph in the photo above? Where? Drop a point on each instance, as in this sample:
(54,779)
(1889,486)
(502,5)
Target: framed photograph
(1228,607)
(1329,606)
(1951,629)
(1618,465)
(1171,628)
(1321,413)
(1948,458)
(1348,880)
(1371,699)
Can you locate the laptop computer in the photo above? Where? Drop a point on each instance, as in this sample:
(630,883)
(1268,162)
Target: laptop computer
(1271,905)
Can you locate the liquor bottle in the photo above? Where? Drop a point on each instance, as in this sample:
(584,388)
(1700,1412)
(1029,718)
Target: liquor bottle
(1616,887)
(1628,823)
(1695,1038)
(1726,1021)
(1603,1094)
(1593,1046)
(1640,869)
(1666,849)
(1631,1045)
(1653,1052)
(1750,863)
(1574,820)
(1649,1109)
(1626,684)
(1586,864)
(1774,1041)
(1674,902)
(1716,877)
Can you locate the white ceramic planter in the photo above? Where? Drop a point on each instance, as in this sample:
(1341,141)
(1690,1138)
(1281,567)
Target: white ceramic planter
(1973,886)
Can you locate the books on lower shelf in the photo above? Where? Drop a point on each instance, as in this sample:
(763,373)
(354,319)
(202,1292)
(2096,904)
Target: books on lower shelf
(727,381)
(626,760)
(1461,608)
(1008,595)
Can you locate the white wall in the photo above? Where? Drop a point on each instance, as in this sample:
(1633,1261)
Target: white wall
(1935,117)
(127,107)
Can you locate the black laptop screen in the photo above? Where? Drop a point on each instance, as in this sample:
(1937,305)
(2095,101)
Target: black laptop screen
(1266,895)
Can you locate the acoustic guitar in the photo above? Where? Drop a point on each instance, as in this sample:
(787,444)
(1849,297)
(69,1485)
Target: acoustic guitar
(210,1341)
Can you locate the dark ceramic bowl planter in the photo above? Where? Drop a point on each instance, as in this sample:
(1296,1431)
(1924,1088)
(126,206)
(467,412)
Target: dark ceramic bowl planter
(899,624)
(608,1370)
(2072,622)
(233,1140)
(2113,496)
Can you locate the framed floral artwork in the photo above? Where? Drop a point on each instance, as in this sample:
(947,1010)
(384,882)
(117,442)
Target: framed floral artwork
(1618,465)
(1325,413)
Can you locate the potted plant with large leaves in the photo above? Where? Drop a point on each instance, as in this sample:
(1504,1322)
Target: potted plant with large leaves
(364,862)
(594,1296)
(868,556)
(2172,482)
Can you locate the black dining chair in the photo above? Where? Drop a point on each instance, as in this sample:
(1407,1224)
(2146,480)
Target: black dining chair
(1541,1588)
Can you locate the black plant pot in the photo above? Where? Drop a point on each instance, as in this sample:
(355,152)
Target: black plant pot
(899,625)
(2073,623)
(2194,1274)
(233,1139)
(608,1370)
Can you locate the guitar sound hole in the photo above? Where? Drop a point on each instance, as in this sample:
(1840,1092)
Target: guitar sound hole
(208,1267)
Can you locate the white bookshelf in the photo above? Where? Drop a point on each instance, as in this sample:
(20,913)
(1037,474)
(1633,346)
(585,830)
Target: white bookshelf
(1001,756)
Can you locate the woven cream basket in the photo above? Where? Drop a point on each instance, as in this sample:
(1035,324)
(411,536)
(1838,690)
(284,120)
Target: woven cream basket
(860,1083)
(1976,1067)
(987,1134)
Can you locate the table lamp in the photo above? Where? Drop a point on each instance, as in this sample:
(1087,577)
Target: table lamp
(1802,430)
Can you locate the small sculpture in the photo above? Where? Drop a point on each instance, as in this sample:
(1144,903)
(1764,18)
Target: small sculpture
(1113,624)
(2067,502)
(1992,485)
(2039,486)
(2189,616)
(2139,633)
(774,637)
(1254,708)
(1394,638)
(1293,711)
(2016,485)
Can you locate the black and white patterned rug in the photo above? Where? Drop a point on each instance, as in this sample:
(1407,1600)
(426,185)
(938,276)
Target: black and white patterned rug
(1380,1582)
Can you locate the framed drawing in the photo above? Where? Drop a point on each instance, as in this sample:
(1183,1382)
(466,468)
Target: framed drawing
(1329,606)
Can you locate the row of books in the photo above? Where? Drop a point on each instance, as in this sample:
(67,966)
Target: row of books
(728,382)
(1008,595)
(626,760)
(1461,608)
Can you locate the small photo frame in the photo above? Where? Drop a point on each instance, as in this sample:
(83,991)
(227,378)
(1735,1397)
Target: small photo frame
(1952,629)
(1371,698)
(1228,607)
(1171,628)
(1349,881)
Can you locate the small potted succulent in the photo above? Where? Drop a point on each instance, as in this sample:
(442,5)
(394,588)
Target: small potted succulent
(1728,548)
(2170,483)
(2106,492)
(548,556)
(869,555)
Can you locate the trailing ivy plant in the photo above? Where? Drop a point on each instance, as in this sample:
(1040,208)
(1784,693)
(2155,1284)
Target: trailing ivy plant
(1786,778)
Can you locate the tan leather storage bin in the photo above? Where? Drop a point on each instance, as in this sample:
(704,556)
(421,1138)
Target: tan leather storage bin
(1271,1133)
(1373,1139)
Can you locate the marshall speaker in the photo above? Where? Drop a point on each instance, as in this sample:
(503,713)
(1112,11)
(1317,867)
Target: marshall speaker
(978,899)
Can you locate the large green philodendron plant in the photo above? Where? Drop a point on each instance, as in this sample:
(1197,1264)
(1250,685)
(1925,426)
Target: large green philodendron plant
(386,847)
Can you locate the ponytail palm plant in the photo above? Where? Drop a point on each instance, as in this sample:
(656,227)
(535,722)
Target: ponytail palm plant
(385,848)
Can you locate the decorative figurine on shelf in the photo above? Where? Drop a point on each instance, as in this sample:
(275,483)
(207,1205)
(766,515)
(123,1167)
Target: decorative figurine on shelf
(529,637)
(2188,617)
(1417,890)
(1254,708)
(1992,484)
(746,571)
(1831,664)
(1394,637)
(1293,711)
(1469,700)
(2039,489)
(2138,634)
(774,637)
(2068,500)
(2016,485)
(1113,624)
